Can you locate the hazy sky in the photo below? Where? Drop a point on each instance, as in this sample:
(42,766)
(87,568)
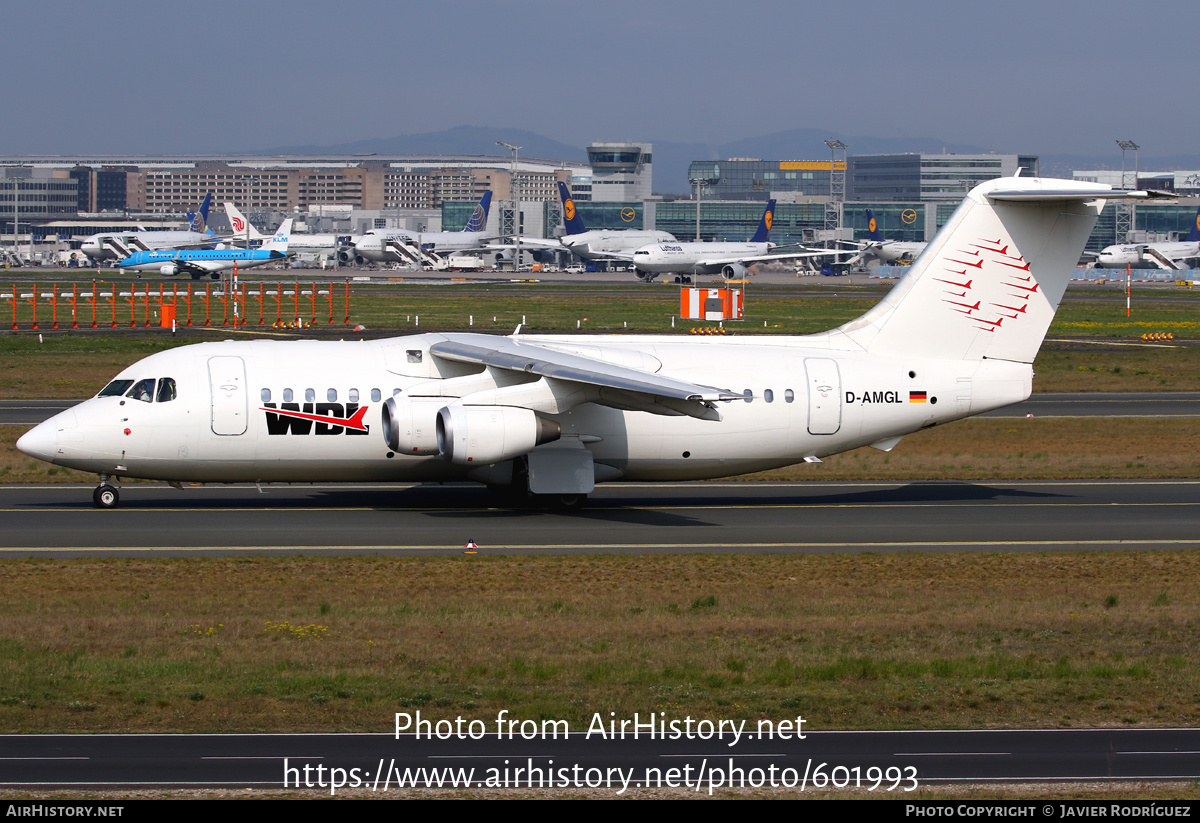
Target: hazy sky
(1016,75)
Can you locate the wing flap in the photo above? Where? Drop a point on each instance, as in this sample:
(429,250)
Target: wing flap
(625,387)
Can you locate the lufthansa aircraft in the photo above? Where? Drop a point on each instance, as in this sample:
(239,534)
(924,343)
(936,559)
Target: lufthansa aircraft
(730,260)
(596,244)
(886,251)
(554,415)
(200,262)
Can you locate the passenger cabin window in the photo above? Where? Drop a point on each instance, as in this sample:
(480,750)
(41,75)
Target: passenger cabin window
(331,395)
(748,395)
(166,390)
(789,396)
(287,395)
(769,396)
(310,395)
(142,390)
(353,396)
(115,389)
(376,395)
(265,394)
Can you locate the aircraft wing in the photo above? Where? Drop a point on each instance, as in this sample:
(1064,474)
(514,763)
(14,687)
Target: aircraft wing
(610,255)
(608,384)
(190,267)
(760,258)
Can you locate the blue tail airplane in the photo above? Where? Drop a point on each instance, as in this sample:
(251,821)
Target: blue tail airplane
(199,262)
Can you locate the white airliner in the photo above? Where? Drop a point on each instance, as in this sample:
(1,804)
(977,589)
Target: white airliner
(381,245)
(554,415)
(730,260)
(119,245)
(886,251)
(1184,254)
(245,235)
(594,244)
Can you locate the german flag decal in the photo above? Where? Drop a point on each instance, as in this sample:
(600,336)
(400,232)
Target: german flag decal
(916,397)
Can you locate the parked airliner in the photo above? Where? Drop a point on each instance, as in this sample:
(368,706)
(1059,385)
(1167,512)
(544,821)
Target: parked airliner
(246,236)
(886,251)
(554,415)
(1184,254)
(596,244)
(389,244)
(119,245)
(730,260)
(200,262)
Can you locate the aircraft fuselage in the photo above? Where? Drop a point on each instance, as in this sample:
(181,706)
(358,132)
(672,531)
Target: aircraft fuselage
(311,411)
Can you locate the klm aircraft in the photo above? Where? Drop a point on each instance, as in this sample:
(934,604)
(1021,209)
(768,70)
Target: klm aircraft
(199,262)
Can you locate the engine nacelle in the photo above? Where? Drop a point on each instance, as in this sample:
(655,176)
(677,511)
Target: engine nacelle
(472,435)
(350,254)
(169,270)
(410,424)
(734,271)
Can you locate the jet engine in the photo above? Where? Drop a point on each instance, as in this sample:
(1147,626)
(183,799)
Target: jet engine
(169,270)
(409,424)
(478,435)
(349,254)
(734,271)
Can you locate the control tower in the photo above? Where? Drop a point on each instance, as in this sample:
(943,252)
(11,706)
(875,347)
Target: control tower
(621,172)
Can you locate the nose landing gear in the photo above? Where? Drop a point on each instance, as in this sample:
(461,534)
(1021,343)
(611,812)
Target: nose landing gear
(105,496)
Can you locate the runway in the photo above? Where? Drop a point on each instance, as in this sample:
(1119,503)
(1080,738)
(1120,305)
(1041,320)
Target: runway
(1043,404)
(885,764)
(724,517)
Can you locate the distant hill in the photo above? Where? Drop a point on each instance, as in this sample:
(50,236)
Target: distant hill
(671,159)
(458,140)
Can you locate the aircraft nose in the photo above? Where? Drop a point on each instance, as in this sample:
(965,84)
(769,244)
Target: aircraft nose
(41,441)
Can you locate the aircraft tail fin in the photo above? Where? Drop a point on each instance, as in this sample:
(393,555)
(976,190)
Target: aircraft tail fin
(280,241)
(988,284)
(199,220)
(873,228)
(763,235)
(1194,234)
(241,227)
(478,221)
(571,218)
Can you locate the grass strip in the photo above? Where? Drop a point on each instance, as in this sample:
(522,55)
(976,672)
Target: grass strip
(846,641)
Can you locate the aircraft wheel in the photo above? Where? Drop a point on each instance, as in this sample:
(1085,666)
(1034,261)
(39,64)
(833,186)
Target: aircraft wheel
(215,275)
(106,497)
(569,502)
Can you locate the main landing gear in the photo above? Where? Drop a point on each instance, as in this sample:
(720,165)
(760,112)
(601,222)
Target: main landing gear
(105,496)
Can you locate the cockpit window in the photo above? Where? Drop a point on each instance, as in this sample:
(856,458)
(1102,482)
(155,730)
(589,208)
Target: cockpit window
(142,390)
(115,389)
(166,390)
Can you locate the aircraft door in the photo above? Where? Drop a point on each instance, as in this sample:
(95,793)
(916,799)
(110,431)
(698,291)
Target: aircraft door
(227,382)
(824,395)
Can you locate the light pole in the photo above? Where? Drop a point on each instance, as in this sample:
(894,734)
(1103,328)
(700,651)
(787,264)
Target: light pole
(516,200)
(699,175)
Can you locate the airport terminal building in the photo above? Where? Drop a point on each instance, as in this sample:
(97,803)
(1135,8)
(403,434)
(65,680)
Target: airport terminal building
(910,195)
